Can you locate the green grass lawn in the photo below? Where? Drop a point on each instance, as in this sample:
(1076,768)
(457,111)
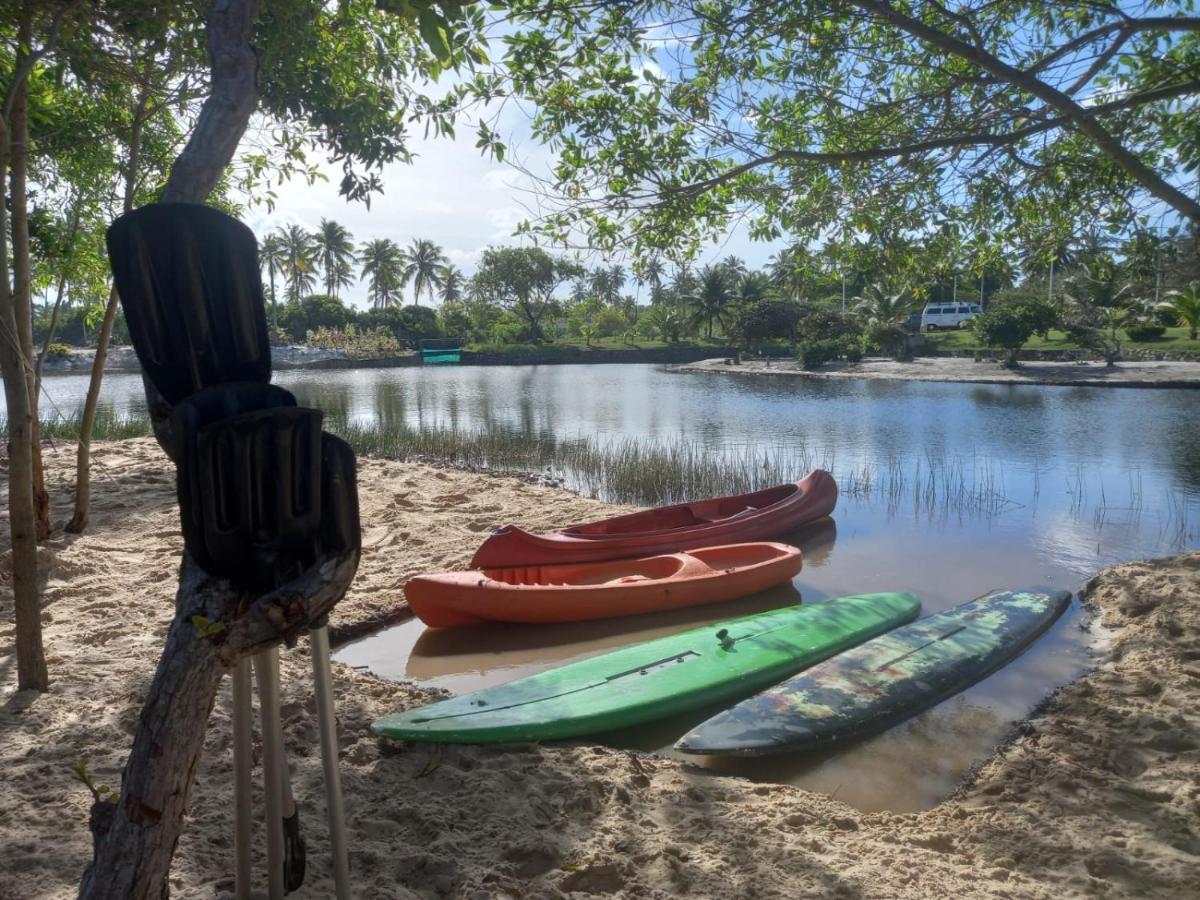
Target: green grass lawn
(1174,339)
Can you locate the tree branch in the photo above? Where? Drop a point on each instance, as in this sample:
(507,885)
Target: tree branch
(1130,26)
(1082,118)
(979,139)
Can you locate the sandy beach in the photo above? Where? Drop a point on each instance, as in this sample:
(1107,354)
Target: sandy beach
(985,371)
(1096,796)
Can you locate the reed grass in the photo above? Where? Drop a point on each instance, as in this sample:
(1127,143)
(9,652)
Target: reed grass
(109,425)
(650,472)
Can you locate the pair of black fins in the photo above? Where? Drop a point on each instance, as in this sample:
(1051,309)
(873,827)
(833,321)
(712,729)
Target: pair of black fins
(264,494)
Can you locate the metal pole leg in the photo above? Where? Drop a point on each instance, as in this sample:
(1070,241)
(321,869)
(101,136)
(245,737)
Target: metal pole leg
(266,670)
(242,715)
(323,681)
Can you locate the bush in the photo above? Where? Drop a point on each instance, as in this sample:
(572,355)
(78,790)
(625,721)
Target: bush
(814,354)
(409,324)
(58,351)
(1008,326)
(357,344)
(767,320)
(313,313)
(823,324)
(1146,331)
(890,340)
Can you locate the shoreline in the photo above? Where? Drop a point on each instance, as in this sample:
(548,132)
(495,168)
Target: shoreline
(1095,794)
(960,370)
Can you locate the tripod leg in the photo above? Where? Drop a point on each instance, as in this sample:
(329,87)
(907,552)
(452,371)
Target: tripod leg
(323,680)
(241,778)
(266,669)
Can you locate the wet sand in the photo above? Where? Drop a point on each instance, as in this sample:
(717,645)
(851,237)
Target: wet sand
(958,369)
(1095,796)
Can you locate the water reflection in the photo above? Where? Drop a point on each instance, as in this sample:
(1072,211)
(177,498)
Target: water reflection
(1029,485)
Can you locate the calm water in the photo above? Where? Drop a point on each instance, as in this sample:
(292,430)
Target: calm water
(1074,480)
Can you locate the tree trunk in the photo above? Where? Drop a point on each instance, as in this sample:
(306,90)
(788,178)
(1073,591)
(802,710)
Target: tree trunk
(227,110)
(51,331)
(18,161)
(135,836)
(274,306)
(83,450)
(22,520)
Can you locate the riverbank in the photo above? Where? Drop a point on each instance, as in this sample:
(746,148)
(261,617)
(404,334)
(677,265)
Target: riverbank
(296,356)
(1094,797)
(1157,374)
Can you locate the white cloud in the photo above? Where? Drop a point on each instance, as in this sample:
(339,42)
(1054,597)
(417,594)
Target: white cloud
(450,194)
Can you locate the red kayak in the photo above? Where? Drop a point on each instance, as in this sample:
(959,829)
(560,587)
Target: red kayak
(576,592)
(762,514)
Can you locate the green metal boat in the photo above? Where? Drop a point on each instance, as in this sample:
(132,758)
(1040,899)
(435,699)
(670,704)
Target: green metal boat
(658,678)
(883,681)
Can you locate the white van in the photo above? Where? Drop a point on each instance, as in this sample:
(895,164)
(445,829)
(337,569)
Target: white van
(948,315)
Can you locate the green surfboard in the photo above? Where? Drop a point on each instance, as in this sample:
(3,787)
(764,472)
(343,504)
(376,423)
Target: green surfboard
(883,681)
(658,678)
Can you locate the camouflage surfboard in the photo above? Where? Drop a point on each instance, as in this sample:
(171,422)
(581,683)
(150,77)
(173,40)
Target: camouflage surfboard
(659,678)
(883,681)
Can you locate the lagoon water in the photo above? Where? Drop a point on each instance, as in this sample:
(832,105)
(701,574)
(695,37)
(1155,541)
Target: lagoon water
(955,490)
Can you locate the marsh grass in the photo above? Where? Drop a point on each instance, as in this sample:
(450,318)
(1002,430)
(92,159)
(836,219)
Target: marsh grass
(648,472)
(109,425)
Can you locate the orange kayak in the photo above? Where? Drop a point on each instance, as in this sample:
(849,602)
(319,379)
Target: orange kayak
(623,587)
(758,516)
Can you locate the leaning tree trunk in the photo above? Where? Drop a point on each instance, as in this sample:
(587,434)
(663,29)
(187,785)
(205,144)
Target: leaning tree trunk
(83,450)
(51,333)
(135,836)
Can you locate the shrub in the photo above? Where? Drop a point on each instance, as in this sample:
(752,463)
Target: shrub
(355,343)
(814,354)
(1006,325)
(821,324)
(58,351)
(767,319)
(508,333)
(1146,331)
(890,340)
(313,313)
(410,324)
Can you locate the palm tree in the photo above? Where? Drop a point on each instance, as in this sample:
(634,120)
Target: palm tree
(711,296)
(787,272)
(334,248)
(734,266)
(271,255)
(298,252)
(453,281)
(383,265)
(652,274)
(424,262)
(880,305)
(1186,306)
(753,287)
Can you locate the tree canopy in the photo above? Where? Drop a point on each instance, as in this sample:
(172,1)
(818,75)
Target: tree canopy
(859,122)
